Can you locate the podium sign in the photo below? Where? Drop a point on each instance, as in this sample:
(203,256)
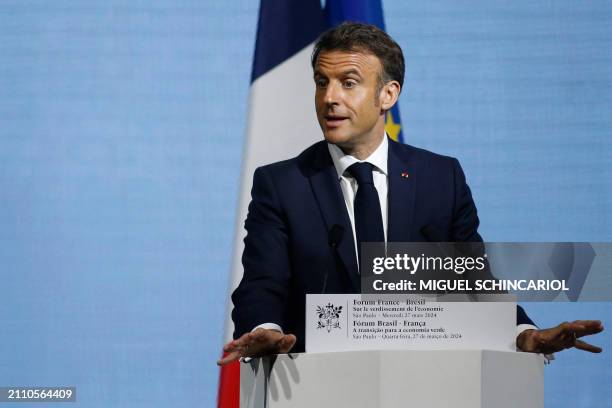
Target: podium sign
(349,322)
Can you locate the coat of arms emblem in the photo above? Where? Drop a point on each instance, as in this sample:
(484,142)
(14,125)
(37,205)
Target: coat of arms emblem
(329,317)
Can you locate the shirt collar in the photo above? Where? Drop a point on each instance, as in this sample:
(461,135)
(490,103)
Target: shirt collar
(378,158)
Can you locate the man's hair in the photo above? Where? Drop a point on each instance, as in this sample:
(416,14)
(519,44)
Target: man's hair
(359,37)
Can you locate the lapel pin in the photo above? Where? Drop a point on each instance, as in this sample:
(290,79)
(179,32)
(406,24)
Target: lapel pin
(405,174)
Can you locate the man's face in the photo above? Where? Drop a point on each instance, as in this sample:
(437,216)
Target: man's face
(346,98)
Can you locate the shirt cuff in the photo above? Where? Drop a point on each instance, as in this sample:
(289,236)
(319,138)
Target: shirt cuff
(521,328)
(268,326)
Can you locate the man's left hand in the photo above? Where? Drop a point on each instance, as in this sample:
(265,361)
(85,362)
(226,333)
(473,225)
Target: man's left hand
(564,336)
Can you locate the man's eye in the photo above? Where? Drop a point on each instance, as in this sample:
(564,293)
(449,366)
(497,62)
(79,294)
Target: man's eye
(321,83)
(349,84)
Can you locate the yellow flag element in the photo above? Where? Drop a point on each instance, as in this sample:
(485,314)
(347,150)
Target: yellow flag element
(391,127)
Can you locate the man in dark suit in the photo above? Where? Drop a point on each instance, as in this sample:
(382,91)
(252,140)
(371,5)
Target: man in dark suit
(309,214)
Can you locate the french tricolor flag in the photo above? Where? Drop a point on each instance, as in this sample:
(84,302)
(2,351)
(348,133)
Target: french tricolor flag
(282,120)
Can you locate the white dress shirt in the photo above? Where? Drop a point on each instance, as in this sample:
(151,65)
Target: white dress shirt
(349,185)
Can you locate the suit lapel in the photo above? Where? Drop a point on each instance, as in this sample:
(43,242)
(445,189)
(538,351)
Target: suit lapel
(327,191)
(401,195)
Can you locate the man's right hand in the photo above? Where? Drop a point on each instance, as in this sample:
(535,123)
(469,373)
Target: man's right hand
(258,343)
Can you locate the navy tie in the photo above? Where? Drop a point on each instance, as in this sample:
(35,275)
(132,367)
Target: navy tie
(368,217)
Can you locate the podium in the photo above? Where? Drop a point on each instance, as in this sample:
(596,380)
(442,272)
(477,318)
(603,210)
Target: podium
(390,379)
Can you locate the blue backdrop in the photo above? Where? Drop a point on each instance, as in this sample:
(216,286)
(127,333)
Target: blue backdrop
(121,130)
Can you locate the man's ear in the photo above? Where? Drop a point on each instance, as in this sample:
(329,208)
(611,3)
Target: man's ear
(389,94)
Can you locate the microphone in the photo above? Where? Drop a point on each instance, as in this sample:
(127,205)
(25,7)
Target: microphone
(334,237)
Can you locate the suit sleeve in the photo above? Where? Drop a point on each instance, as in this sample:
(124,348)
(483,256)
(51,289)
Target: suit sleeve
(465,225)
(261,296)
(465,222)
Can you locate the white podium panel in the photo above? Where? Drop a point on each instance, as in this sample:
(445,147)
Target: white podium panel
(390,379)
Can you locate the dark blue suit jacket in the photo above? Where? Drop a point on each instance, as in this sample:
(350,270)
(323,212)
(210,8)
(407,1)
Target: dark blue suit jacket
(295,203)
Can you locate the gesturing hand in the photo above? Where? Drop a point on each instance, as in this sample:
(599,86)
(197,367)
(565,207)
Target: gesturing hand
(258,343)
(558,338)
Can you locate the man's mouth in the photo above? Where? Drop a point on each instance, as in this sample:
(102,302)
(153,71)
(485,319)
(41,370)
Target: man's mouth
(333,120)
